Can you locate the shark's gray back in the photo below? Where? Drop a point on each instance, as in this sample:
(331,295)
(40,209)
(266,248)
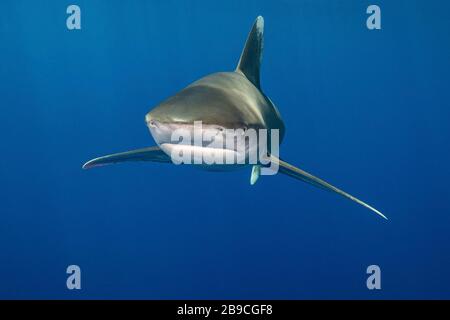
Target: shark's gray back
(240,96)
(227,99)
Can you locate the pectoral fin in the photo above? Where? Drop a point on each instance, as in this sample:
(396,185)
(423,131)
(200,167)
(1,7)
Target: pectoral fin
(154,154)
(297,173)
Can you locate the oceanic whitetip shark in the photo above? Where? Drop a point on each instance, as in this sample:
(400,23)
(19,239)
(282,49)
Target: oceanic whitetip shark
(224,100)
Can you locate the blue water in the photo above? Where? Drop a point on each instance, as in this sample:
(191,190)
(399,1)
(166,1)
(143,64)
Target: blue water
(366,110)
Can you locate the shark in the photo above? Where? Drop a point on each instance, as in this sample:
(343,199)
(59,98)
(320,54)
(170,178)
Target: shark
(221,101)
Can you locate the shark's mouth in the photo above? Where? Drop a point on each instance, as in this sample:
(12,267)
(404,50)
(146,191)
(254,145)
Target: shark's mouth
(200,144)
(189,154)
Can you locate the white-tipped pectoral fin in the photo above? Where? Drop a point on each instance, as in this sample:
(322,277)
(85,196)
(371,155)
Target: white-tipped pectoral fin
(154,154)
(299,174)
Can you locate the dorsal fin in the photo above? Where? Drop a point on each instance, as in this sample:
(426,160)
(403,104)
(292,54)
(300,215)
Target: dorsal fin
(251,56)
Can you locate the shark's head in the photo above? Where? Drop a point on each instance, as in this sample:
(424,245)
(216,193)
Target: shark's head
(203,102)
(182,113)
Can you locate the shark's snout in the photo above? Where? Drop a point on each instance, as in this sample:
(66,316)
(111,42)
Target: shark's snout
(161,132)
(150,120)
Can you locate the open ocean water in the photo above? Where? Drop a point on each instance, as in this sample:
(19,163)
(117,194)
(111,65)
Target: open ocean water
(367,110)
